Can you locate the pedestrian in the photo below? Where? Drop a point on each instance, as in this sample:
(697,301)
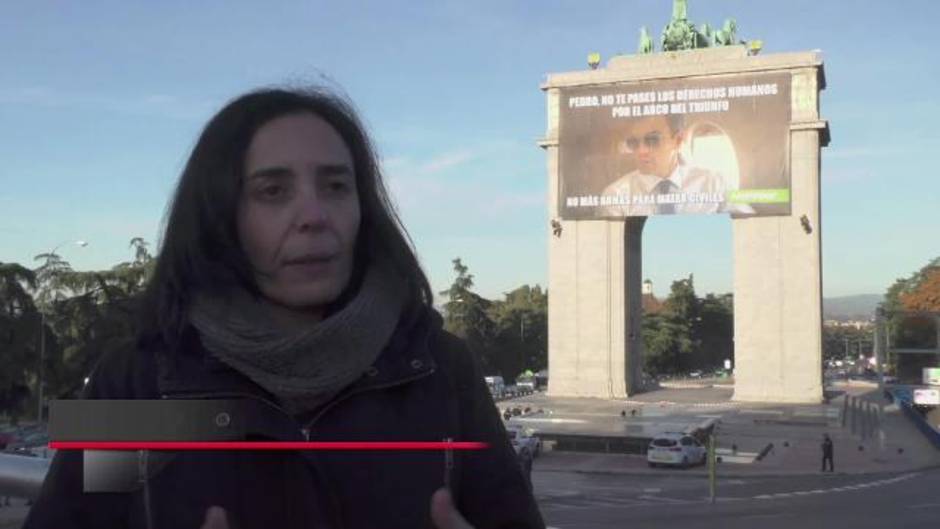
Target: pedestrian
(827,453)
(285,279)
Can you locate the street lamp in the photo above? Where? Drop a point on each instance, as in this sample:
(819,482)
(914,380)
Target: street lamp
(42,335)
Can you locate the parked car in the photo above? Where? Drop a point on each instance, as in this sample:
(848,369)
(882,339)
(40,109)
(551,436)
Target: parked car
(29,441)
(677,449)
(526,383)
(541,379)
(8,436)
(497,386)
(525,437)
(523,456)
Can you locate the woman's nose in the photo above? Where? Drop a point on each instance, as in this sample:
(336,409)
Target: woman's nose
(311,212)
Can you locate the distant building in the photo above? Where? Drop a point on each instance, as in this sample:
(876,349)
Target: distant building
(855,324)
(651,305)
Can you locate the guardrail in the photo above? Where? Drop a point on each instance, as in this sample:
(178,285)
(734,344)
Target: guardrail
(22,476)
(932,433)
(921,422)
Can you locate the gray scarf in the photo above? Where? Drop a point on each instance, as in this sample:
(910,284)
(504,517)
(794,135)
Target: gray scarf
(302,366)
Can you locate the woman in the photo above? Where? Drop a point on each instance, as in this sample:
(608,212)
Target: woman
(286,280)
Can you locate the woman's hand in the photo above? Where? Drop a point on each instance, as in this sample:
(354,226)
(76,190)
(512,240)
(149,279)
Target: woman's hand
(444,514)
(216,518)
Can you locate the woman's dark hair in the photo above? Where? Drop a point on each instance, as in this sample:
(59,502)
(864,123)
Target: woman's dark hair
(200,249)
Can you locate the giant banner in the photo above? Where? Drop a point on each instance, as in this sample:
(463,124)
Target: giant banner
(716,144)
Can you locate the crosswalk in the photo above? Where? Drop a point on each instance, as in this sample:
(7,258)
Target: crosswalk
(845,488)
(565,500)
(604,500)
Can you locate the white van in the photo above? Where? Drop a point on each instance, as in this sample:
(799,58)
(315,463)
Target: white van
(496,385)
(526,382)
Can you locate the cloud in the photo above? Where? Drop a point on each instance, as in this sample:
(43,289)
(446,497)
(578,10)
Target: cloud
(482,188)
(512,201)
(843,175)
(150,105)
(394,163)
(847,153)
(420,182)
(30,95)
(446,161)
(159,99)
(880,150)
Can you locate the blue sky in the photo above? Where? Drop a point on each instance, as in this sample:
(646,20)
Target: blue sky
(100,103)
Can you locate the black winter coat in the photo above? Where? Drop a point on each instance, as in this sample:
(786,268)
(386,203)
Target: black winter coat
(425,386)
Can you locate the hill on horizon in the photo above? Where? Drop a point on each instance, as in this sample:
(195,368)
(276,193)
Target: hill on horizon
(860,306)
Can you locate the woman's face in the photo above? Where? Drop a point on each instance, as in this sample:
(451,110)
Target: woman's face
(298,215)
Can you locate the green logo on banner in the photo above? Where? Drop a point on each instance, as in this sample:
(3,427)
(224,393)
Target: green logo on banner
(759,196)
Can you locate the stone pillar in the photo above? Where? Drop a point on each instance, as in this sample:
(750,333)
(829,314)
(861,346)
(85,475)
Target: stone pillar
(595,309)
(633,295)
(778,275)
(595,296)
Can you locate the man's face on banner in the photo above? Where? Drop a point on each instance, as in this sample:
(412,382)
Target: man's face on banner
(654,145)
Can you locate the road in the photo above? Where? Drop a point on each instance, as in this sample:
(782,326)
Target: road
(593,501)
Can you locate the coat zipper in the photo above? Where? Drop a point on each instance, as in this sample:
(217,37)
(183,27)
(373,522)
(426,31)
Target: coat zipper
(305,430)
(225,394)
(309,426)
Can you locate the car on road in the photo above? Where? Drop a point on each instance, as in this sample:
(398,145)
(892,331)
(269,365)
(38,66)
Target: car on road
(524,457)
(526,383)
(525,437)
(497,386)
(34,444)
(675,449)
(8,436)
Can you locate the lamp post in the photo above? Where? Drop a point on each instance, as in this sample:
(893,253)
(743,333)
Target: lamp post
(42,337)
(879,351)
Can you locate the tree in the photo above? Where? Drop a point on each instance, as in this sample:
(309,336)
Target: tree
(682,314)
(19,332)
(715,330)
(688,332)
(15,283)
(925,294)
(846,343)
(521,331)
(661,344)
(918,292)
(97,318)
(509,335)
(466,316)
(51,279)
(671,335)
(77,315)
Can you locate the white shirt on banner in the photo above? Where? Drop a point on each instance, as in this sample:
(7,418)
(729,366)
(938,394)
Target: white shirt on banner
(695,190)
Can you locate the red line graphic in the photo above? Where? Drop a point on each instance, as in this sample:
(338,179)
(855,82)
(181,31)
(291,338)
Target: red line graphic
(265,445)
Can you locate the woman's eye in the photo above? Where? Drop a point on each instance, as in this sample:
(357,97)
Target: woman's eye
(271,191)
(338,186)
